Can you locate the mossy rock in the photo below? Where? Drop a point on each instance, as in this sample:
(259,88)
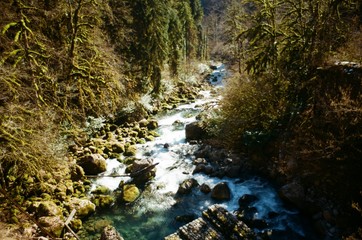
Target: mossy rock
(101,190)
(149,138)
(84,207)
(130,151)
(141,141)
(76,224)
(130,193)
(54,224)
(48,208)
(154,133)
(105,201)
(118,147)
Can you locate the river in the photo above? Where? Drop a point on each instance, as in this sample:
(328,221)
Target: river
(153,215)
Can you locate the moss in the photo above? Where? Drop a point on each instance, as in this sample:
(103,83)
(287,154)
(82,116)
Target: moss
(130,151)
(130,193)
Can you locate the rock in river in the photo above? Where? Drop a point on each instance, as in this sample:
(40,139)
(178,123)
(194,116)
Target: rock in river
(93,164)
(221,191)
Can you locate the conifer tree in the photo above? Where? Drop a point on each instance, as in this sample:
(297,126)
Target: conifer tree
(188,28)
(198,14)
(175,43)
(150,22)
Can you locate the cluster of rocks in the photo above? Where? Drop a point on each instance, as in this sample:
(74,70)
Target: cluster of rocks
(112,141)
(57,200)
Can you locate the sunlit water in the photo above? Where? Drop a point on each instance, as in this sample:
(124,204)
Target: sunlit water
(152,216)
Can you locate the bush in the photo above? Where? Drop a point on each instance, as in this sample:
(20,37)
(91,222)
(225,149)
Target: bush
(250,108)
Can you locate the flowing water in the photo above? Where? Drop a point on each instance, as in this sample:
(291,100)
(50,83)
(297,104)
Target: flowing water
(153,215)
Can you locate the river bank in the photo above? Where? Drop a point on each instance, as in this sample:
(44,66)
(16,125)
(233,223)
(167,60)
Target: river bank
(46,201)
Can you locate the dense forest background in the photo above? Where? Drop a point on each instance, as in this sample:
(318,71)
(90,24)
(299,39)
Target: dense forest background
(288,105)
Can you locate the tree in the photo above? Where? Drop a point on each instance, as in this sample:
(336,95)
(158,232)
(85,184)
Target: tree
(175,43)
(150,50)
(189,29)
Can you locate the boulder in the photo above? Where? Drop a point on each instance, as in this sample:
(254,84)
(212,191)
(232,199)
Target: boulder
(76,172)
(48,208)
(195,131)
(246,200)
(101,190)
(221,191)
(142,171)
(152,124)
(293,193)
(130,193)
(187,185)
(103,201)
(83,207)
(93,164)
(53,224)
(205,188)
(110,233)
(118,147)
(130,151)
(198,161)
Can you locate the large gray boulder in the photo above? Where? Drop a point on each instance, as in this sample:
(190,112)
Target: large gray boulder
(93,164)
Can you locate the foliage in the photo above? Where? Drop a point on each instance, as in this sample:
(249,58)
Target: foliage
(250,109)
(64,61)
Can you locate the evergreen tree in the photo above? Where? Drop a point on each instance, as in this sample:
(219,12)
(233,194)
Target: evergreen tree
(175,43)
(198,14)
(150,49)
(189,29)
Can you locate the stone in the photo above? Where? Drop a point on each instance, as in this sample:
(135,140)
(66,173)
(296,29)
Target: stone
(110,233)
(221,191)
(293,193)
(83,207)
(101,190)
(142,171)
(103,201)
(93,164)
(130,193)
(130,151)
(118,147)
(198,161)
(53,224)
(246,200)
(205,188)
(199,168)
(187,185)
(194,131)
(152,124)
(76,172)
(143,123)
(48,208)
